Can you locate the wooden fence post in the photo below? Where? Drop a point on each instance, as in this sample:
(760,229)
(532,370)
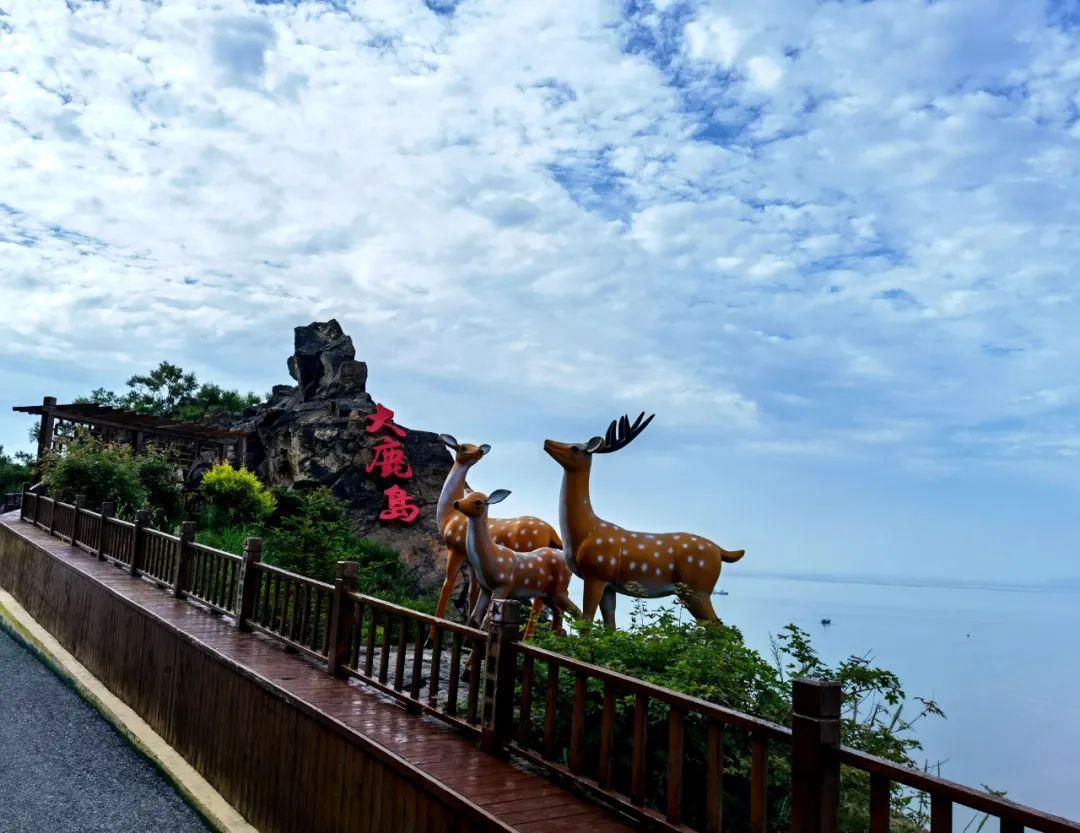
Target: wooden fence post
(138,543)
(52,517)
(80,501)
(37,508)
(45,430)
(108,509)
(181,577)
(500,665)
(815,756)
(342,617)
(247,587)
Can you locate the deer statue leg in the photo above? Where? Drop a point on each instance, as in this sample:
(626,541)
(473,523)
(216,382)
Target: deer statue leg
(474,586)
(700,606)
(607,606)
(534,617)
(556,617)
(480,610)
(453,567)
(594,589)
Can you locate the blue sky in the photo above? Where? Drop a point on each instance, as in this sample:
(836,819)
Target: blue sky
(832,244)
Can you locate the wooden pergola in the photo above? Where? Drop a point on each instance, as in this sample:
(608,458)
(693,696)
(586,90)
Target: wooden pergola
(184,441)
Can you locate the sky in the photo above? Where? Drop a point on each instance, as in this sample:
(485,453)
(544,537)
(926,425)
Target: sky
(832,245)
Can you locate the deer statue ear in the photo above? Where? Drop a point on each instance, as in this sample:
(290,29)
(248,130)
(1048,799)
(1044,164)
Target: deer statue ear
(498,496)
(448,441)
(485,448)
(594,444)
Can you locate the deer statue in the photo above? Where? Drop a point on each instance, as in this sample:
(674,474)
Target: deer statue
(540,575)
(521,534)
(610,559)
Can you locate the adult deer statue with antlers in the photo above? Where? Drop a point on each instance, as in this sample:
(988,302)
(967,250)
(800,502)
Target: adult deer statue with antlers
(610,559)
(537,576)
(521,534)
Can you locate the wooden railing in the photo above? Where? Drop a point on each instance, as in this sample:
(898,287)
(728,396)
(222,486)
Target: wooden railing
(654,754)
(383,644)
(580,730)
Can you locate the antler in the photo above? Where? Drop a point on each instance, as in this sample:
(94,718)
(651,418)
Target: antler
(621,433)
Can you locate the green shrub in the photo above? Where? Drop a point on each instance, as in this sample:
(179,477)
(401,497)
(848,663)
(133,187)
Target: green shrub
(311,531)
(713,663)
(99,471)
(16,471)
(233,497)
(164,494)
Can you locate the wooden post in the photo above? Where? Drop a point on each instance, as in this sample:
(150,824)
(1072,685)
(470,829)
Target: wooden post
(815,759)
(183,559)
(52,517)
(138,547)
(108,509)
(247,588)
(504,631)
(342,618)
(45,430)
(80,501)
(37,508)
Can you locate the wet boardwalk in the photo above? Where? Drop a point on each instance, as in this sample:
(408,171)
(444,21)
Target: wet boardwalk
(519,798)
(64,769)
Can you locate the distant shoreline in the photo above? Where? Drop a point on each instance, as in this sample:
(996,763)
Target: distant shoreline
(1062,586)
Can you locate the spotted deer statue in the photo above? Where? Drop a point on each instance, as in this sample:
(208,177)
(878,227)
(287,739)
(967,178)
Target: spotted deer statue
(522,534)
(539,575)
(610,559)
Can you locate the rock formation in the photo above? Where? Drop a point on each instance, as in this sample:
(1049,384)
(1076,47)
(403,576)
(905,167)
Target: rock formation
(314,434)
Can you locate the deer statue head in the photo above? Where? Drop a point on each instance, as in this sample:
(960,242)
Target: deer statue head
(465,454)
(610,559)
(539,575)
(522,534)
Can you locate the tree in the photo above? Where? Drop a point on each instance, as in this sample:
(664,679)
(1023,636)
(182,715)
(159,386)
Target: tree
(15,471)
(169,391)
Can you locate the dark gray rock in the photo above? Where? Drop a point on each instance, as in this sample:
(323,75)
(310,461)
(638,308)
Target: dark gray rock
(314,434)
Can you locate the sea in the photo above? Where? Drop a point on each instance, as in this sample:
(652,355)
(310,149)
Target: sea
(1002,662)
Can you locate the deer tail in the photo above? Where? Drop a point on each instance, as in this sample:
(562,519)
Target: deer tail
(731,556)
(556,541)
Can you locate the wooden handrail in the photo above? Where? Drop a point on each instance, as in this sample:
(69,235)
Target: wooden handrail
(686,702)
(979,800)
(419,616)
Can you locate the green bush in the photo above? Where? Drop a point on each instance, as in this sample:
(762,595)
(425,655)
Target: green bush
(233,497)
(16,471)
(311,532)
(99,471)
(713,663)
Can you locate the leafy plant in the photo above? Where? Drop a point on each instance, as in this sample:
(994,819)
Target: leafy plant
(99,471)
(713,662)
(16,471)
(311,532)
(103,471)
(169,391)
(233,497)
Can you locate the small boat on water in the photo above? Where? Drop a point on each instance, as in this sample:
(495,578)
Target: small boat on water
(826,621)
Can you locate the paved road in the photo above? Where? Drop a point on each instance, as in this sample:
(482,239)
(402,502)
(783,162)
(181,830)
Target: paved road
(63,769)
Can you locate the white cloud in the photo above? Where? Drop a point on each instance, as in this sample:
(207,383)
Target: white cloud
(607,211)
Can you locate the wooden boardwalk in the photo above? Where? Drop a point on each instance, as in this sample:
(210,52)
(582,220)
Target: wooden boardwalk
(506,789)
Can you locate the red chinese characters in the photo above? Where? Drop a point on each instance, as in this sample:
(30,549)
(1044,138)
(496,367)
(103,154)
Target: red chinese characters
(399,506)
(382,418)
(388,461)
(389,458)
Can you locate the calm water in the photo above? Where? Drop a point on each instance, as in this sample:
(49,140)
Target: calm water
(1004,664)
